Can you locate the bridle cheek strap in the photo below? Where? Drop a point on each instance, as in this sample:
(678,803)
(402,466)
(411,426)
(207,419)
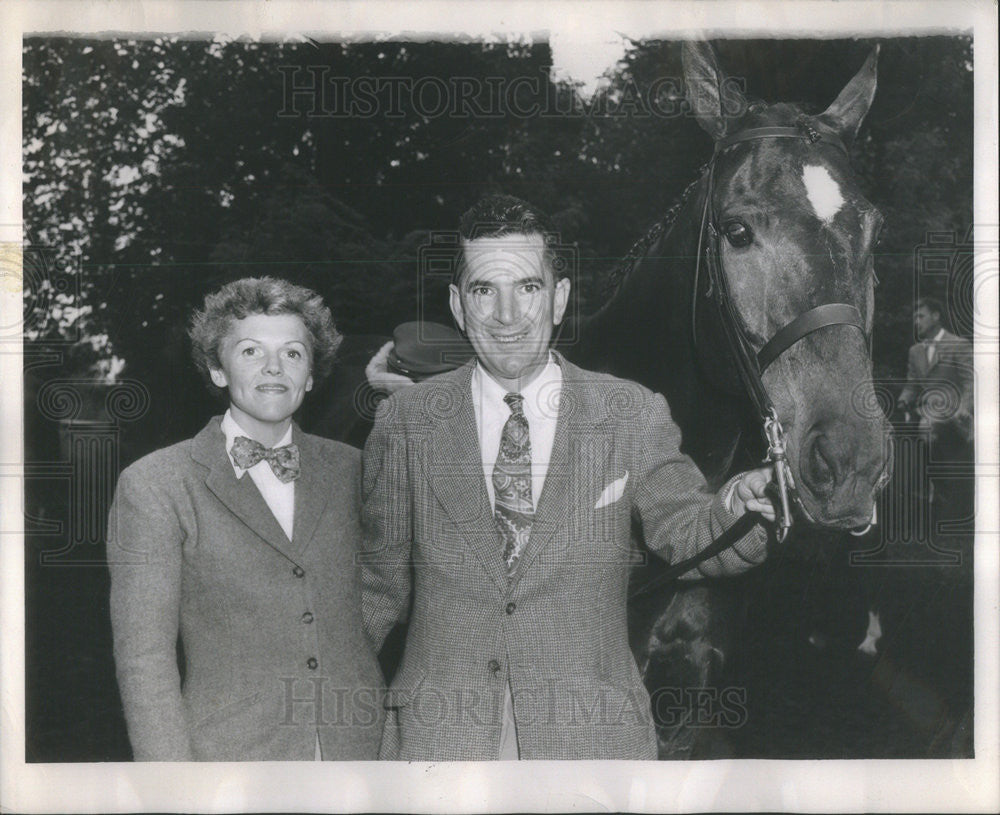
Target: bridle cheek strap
(749,363)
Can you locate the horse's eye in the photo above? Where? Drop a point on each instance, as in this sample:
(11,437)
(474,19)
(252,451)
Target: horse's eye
(737,233)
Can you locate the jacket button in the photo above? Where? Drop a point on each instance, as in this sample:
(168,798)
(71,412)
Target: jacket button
(312,664)
(298,571)
(494,666)
(511,607)
(307,617)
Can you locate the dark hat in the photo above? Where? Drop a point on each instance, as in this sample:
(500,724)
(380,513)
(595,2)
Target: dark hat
(423,349)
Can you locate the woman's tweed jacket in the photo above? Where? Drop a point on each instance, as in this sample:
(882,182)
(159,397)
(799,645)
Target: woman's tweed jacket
(556,631)
(196,552)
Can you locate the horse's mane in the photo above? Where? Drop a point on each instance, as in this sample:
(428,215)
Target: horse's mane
(781,111)
(620,273)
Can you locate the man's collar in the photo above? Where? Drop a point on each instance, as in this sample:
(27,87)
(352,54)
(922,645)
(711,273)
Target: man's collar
(488,388)
(231,429)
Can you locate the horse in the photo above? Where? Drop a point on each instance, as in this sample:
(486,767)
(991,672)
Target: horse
(790,233)
(773,239)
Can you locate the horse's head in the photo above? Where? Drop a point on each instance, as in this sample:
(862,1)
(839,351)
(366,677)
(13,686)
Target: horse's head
(796,232)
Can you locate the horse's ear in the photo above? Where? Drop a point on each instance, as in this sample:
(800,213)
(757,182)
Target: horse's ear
(850,108)
(716,100)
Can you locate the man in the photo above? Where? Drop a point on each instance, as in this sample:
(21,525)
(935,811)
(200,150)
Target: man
(501,497)
(939,376)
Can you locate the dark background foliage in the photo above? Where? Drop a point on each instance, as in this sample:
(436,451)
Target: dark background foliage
(157,169)
(160,168)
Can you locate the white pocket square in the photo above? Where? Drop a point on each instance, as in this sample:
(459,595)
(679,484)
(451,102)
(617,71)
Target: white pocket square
(612,492)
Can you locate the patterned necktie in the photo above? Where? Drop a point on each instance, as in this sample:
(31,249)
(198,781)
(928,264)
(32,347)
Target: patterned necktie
(284,461)
(514,510)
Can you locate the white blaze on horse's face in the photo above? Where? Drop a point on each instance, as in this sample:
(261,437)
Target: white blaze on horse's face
(822,191)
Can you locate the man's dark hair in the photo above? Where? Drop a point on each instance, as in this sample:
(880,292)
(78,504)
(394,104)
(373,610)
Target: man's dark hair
(494,216)
(932,304)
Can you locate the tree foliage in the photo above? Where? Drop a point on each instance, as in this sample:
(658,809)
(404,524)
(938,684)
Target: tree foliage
(160,168)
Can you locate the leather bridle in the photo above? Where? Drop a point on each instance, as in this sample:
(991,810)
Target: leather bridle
(752,363)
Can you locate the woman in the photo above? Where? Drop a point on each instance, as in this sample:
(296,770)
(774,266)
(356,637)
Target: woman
(235,590)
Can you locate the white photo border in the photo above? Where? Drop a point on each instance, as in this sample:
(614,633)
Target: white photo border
(730,785)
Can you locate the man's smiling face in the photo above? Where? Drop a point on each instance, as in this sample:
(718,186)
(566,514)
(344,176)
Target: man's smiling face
(508,302)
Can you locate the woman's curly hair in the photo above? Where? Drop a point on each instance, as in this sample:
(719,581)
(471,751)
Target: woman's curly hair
(261,295)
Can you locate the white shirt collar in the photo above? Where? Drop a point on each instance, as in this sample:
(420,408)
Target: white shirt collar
(937,336)
(541,396)
(231,429)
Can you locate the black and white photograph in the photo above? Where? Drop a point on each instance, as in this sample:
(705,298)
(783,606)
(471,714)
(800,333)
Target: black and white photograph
(462,407)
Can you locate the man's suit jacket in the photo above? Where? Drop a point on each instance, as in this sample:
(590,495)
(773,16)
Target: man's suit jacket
(556,631)
(942,389)
(267,626)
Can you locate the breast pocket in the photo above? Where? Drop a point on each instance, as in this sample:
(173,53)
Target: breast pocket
(599,528)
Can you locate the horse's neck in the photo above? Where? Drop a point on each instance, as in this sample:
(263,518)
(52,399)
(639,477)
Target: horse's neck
(644,334)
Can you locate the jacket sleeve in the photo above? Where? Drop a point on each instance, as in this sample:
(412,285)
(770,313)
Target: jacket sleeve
(387,524)
(679,514)
(144,555)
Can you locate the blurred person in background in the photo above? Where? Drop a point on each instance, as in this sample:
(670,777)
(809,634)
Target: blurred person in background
(939,389)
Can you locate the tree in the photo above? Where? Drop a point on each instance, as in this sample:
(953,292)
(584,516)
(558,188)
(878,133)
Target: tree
(161,167)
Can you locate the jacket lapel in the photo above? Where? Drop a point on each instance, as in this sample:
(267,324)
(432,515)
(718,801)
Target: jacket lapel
(454,468)
(579,456)
(947,338)
(240,496)
(312,494)
(553,503)
(930,363)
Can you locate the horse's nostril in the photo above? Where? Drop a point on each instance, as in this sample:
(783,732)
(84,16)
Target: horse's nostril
(887,462)
(841,466)
(820,470)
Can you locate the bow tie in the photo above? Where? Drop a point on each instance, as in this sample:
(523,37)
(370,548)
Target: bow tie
(284,461)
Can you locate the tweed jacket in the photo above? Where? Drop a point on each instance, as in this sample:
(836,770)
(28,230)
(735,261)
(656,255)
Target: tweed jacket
(942,388)
(273,648)
(557,630)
